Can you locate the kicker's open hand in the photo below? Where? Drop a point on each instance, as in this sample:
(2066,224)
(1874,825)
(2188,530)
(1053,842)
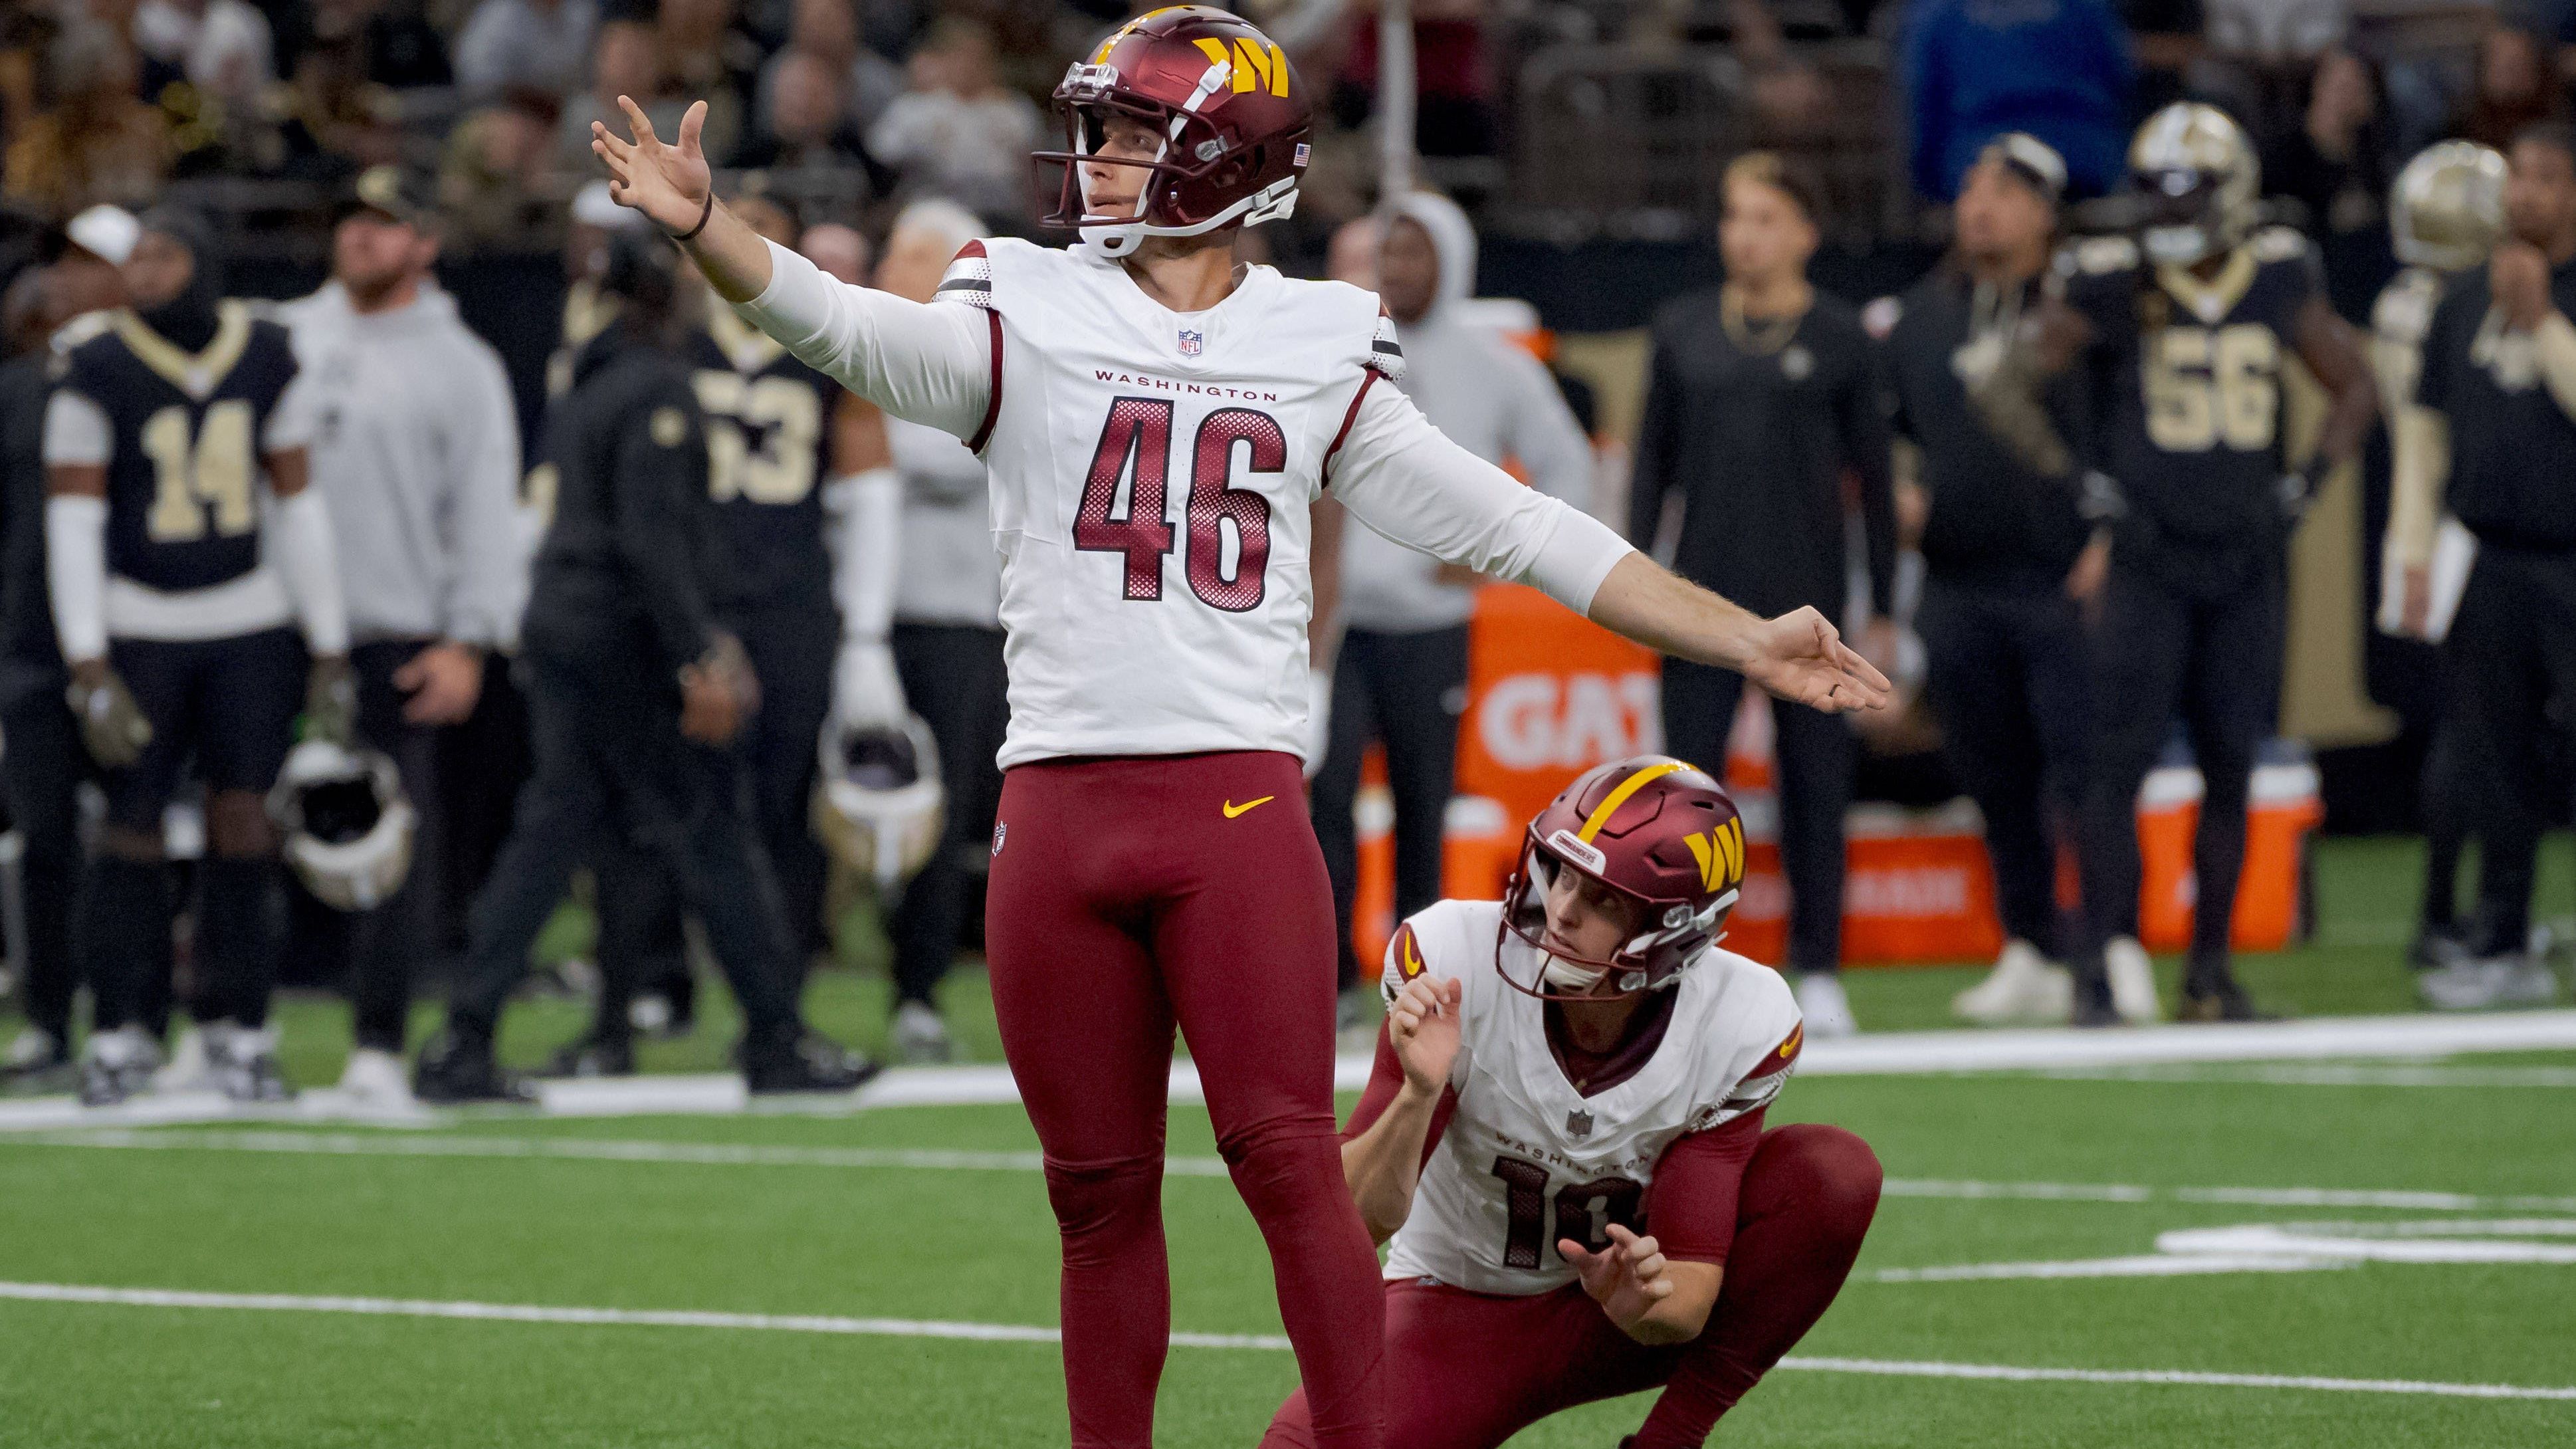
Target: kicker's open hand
(669,184)
(1627,1278)
(1801,657)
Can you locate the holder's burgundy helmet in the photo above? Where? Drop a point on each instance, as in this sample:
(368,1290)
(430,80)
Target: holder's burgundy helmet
(1658,833)
(1231,113)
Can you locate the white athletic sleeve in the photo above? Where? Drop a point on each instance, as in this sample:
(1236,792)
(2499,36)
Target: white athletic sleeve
(1403,477)
(929,363)
(870,508)
(76,432)
(307,556)
(76,572)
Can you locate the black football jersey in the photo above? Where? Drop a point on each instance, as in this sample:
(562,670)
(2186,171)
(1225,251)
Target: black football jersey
(769,439)
(2188,371)
(184,432)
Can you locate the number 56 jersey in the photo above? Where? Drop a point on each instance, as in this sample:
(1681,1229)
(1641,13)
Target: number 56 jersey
(1525,1158)
(1152,472)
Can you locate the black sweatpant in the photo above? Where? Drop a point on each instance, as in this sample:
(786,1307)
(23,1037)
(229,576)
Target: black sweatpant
(792,653)
(1406,691)
(43,767)
(2448,793)
(2513,655)
(1816,755)
(609,754)
(379,952)
(2211,654)
(222,711)
(482,765)
(2009,681)
(953,678)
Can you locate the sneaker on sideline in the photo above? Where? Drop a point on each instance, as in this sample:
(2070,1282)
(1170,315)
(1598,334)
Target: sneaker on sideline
(2133,981)
(2024,987)
(1826,1008)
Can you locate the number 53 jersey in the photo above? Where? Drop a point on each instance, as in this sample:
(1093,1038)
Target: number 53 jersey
(1525,1158)
(1152,472)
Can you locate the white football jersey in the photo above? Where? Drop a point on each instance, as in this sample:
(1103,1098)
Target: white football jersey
(1151,475)
(1526,1159)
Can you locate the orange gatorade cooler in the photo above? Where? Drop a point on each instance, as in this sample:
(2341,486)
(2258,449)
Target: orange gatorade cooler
(2281,809)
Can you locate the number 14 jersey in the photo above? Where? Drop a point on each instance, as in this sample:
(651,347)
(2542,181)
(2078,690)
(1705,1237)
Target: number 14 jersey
(1152,472)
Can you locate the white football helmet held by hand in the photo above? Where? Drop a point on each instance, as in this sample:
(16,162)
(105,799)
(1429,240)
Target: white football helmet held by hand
(878,804)
(347,825)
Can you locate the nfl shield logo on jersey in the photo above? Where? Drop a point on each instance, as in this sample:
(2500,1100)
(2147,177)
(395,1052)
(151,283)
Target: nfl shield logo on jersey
(1578,1123)
(1191,342)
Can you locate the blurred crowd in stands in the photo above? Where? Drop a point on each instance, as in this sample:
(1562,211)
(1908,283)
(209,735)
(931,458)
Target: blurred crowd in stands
(856,104)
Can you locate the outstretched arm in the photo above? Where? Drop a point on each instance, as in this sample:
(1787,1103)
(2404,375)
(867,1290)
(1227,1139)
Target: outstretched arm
(927,363)
(1404,478)
(1799,656)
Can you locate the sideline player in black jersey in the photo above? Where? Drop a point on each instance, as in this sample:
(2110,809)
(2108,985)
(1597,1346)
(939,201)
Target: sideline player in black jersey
(43,765)
(780,438)
(2008,568)
(2184,332)
(173,611)
(2445,215)
(637,696)
(2493,433)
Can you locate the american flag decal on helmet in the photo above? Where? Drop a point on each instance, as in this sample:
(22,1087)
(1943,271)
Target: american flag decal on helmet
(1386,355)
(1303,151)
(969,278)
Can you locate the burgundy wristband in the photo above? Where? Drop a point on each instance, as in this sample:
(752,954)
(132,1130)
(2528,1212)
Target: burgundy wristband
(704,217)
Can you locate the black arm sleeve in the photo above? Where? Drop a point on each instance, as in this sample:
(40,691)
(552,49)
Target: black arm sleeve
(661,472)
(1860,417)
(1650,476)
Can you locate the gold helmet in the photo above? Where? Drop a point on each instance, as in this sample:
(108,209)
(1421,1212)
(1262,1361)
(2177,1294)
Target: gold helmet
(2447,208)
(2196,176)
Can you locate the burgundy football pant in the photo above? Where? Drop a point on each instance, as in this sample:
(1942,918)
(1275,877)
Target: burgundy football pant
(1127,895)
(1470,1370)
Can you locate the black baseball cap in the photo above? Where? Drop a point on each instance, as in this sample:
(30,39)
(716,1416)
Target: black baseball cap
(392,191)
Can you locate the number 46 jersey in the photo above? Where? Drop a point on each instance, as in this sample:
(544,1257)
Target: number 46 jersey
(1152,472)
(1525,1158)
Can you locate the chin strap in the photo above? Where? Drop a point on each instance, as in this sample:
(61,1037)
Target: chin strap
(1275,202)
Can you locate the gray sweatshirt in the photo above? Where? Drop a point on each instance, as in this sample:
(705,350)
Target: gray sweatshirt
(416,451)
(1491,398)
(951,573)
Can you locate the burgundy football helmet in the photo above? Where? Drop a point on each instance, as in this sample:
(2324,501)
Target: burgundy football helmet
(1231,112)
(1660,834)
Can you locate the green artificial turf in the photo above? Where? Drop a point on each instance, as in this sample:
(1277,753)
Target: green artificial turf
(854,1237)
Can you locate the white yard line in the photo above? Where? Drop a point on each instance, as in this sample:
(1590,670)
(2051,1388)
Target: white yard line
(1022,1333)
(1896,1053)
(2306,1074)
(716,1154)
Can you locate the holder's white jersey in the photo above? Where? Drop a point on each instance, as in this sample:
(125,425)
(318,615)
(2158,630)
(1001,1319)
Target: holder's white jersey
(1151,475)
(1526,1159)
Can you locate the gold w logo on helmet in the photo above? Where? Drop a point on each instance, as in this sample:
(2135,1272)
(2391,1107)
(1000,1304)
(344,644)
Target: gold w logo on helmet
(1720,854)
(1254,66)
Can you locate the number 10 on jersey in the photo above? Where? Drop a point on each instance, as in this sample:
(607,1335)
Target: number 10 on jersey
(1136,443)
